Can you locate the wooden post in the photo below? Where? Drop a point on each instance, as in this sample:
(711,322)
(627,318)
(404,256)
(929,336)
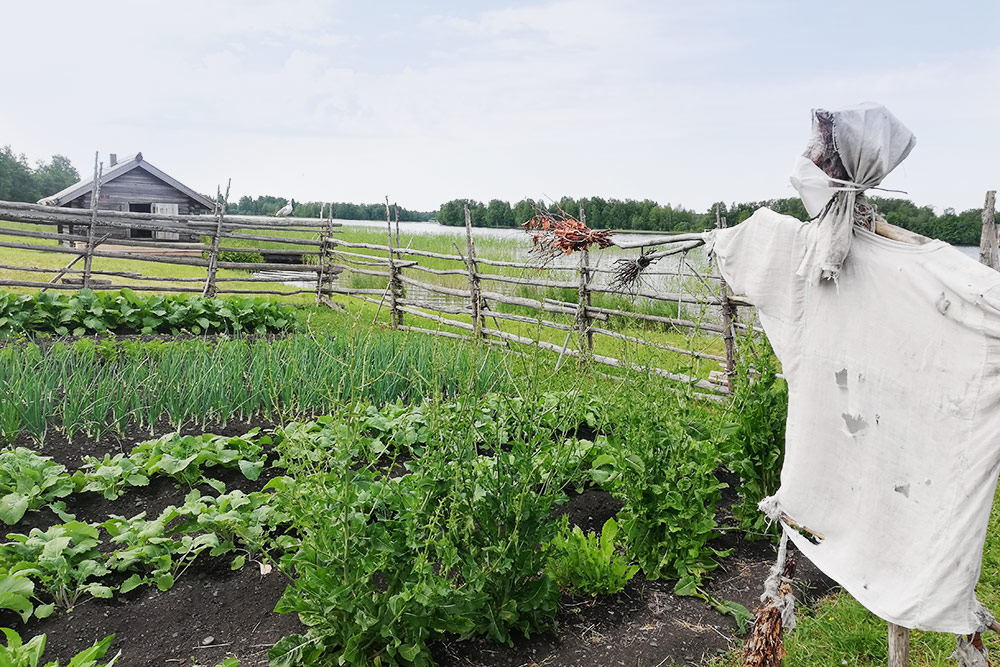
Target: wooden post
(728,317)
(475,299)
(988,238)
(899,646)
(395,315)
(324,276)
(95,196)
(213,253)
(395,208)
(584,299)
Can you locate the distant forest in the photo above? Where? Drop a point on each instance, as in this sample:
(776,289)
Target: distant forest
(20,181)
(955,228)
(267,205)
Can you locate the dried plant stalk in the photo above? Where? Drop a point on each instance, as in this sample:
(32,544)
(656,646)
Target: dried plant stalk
(552,235)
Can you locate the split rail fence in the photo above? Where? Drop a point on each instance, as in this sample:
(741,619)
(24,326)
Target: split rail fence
(301,255)
(481,304)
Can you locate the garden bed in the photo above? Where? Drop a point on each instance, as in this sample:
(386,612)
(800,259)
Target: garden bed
(213,612)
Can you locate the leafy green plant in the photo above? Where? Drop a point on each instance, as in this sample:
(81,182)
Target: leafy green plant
(756,434)
(386,564)
(588,563)
(662,464)
(165,547)
(110,476)
(64,560)
(29,481)
(184,456)
(88,312)
(149,546)
(241,521)
(17,653)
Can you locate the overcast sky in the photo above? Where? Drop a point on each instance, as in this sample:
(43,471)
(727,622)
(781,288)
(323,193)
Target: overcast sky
(681,102)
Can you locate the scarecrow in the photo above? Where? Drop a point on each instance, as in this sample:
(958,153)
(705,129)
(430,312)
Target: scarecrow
(890,343)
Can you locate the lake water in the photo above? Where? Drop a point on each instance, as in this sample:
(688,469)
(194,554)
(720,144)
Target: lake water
(433,228)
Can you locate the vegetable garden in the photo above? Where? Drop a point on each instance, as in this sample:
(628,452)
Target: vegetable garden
(396,499)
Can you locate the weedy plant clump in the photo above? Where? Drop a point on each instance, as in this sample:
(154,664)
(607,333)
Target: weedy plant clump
(388,562)
(661,463)
(589,564)
(755,444)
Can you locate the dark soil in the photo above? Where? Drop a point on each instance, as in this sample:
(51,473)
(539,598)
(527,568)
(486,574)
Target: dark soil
(212,612)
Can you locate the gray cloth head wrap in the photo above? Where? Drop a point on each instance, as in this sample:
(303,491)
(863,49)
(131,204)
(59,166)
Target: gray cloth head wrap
(862,144)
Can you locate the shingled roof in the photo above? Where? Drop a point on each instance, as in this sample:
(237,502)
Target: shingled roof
(123,167)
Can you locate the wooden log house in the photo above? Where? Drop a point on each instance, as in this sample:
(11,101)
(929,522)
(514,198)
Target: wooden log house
(134,185)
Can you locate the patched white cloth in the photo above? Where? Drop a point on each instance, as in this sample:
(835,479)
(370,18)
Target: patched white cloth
(893,434)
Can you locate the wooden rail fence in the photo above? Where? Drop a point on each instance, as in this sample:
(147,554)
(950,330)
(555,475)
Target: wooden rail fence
(310,255)
(480,307)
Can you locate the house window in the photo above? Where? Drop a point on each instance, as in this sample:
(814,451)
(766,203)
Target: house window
(166,209)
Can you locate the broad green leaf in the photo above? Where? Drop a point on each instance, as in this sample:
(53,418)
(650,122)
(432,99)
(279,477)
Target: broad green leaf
(164,581)
(12,507)
(19,604)
(131,583)
(251,470)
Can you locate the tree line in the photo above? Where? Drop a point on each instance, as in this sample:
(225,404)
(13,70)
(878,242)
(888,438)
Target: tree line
(19,181)
(268,205)
(646,215)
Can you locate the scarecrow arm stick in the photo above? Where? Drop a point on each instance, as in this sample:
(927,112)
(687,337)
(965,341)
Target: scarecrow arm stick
(662,240)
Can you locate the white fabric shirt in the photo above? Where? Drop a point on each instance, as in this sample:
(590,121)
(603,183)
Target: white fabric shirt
(893,433)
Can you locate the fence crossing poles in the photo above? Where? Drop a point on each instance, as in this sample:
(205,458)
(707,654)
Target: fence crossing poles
(221,202)
(395,314)
(324,258)
(475,291)
(728,317)
(583,322)
(95,197)
(988,239)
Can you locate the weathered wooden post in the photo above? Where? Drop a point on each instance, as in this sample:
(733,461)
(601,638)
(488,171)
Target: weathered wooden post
(324,275)
(95,197)
(899,646)
(221,202)
(395,315)
(728,316)
(475,297)
(583,322)
(988,238)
